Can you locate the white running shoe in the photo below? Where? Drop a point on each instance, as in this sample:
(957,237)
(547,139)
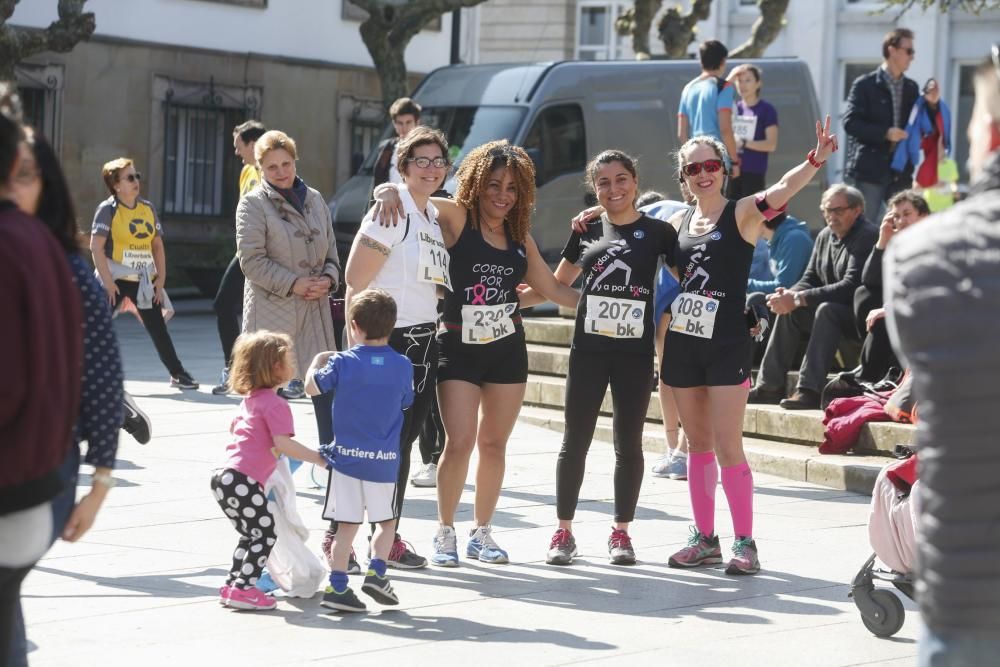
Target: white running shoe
(426,476)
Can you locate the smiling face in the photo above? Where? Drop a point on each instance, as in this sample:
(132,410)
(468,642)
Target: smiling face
(704,182)
(499,195)
(278,167)
(424,180)
(616,188)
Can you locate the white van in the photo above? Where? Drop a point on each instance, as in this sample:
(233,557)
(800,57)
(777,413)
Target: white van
(564,113)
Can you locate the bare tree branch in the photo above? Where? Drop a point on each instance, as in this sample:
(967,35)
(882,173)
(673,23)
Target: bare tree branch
(765,29)
(971,6)
(677,30)
(16,44)
(388,30)
(637,21)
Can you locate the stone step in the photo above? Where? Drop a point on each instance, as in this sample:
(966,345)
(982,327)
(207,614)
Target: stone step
(852,472)
(796,427)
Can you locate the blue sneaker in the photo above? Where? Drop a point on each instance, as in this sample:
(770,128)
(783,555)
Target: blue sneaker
(265,584)
(482,546)
(445,548)
(293,390)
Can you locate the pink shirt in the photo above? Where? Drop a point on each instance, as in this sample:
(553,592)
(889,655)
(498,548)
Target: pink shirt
(263,415)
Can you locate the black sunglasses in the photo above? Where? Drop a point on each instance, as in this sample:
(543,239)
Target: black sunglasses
(132,178)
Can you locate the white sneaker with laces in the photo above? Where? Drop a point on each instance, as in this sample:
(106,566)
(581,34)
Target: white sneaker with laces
(426,476)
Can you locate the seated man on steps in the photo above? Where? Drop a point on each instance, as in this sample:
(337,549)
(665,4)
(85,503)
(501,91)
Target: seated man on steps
(819,305)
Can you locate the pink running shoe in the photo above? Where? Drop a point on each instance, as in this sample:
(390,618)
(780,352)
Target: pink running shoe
(249,599)
(700,550)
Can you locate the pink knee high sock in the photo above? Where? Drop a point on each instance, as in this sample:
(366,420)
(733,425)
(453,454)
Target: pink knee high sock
(703,475)
(737,482)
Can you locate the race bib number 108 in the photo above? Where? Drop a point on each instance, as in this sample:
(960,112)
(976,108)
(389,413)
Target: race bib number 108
(694,315)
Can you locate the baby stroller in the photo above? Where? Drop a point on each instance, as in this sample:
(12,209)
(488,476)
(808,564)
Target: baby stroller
(891,531)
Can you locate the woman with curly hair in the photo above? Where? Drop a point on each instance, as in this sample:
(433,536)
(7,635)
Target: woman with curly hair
(483,364)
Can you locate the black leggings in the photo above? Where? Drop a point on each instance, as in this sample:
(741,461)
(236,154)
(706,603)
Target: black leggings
(419,344)
(228,306)
(432,434)
(247,508)
(152,320)
(630,377)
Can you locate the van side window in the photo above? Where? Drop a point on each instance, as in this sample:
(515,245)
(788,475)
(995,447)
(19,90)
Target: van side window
(558,134)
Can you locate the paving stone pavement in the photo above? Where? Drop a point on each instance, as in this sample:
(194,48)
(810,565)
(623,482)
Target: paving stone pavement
(141,587)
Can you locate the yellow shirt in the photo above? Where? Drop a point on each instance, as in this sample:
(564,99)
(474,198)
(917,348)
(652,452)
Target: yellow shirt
(130,231)
(249,178)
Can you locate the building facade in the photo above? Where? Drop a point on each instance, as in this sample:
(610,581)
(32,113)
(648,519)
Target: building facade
(838,39)
(165,81)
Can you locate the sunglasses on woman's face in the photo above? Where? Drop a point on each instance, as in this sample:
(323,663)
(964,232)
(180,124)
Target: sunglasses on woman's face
(132,178)
(694,168)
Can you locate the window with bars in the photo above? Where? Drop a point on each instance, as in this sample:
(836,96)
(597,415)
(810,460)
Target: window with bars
(199,172)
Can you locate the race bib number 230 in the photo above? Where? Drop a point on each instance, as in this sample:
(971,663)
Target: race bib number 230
(485,324)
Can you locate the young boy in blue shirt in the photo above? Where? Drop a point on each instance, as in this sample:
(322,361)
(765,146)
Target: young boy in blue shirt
(374,384)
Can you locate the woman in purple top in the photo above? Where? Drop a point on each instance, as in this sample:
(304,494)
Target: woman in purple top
(755,127)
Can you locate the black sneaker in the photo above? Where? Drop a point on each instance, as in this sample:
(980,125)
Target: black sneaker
(403,557)
(346,601)
(183,380)
(379,589)
(766,396)
(136,421)
(222,388)
(802,399)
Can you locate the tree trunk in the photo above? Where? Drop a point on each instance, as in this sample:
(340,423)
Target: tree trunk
(636,22)
(62,35)
(388,30)
(677,30)
(765,29)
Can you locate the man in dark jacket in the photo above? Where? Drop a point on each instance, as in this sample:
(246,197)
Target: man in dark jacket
(819,305)
(39,399)
(943,311)
(878,107)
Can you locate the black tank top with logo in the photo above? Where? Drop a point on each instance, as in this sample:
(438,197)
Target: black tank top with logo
(716,264)
(483,275)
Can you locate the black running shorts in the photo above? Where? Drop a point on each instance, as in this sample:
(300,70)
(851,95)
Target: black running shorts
(689,361)
(501,362)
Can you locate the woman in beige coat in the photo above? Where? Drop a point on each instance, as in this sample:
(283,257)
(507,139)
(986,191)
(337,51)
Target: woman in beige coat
(285,243)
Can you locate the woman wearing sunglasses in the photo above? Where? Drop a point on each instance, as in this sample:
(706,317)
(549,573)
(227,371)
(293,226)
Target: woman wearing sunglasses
(126,240)
(707,352)
(410,262)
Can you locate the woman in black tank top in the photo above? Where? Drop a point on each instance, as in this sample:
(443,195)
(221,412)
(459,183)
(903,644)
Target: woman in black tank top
(707,353)
(486,231)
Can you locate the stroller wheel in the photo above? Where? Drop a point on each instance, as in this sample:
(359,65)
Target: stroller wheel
(891,615)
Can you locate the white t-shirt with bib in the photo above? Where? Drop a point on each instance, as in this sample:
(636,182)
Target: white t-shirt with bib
(417,263)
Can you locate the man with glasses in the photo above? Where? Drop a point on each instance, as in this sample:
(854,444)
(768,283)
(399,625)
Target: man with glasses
(943,300)
(820,305)
(878,108)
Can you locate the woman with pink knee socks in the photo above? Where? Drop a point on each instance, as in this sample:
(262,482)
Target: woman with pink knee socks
(707,354)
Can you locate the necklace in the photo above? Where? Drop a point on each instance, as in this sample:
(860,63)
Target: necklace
(492,228)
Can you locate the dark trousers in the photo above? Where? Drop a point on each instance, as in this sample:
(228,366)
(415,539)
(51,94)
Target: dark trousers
(877,355)
(826,325)
(590,373)
(10,604)
(228,306)
(877,194)
(245,504)
(432,435)
(152,320)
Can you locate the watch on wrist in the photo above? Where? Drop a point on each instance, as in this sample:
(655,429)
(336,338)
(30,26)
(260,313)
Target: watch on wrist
(797,299)
(107,481)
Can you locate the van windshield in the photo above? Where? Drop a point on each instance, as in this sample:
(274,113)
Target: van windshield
(468,127)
